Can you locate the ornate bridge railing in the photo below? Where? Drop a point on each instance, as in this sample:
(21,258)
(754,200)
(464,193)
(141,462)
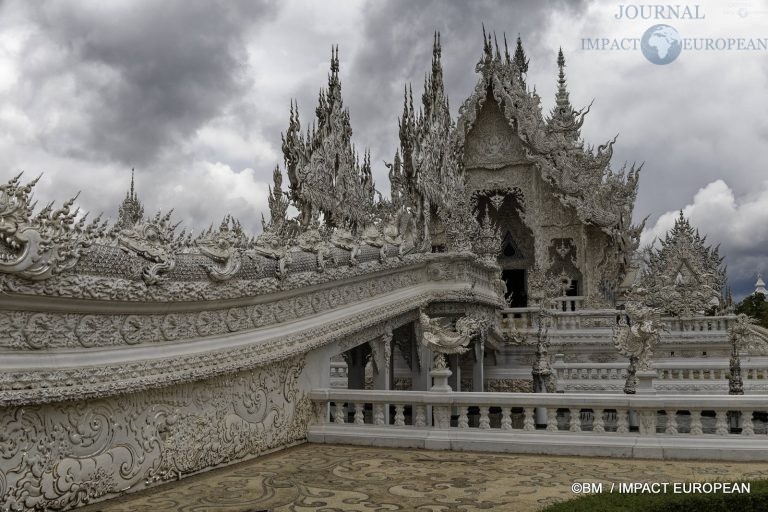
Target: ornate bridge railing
(111,394)
(706,376)
(604,320)
(662,427)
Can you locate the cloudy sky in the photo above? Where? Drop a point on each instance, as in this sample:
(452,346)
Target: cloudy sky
(194,95)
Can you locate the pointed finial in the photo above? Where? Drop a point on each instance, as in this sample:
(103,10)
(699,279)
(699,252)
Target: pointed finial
(520,60)
(132,193)
(560,58)
(487,49)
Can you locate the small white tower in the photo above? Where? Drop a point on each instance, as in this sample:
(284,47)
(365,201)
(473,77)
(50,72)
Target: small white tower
(760,286)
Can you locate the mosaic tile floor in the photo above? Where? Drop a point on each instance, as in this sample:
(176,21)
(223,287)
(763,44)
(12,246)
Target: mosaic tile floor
(345,478)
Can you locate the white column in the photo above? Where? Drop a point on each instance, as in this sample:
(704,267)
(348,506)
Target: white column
(382,367)
(478,373)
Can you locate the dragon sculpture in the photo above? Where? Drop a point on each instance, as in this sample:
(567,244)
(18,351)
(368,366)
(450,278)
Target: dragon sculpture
(225,246)
(153,239)
(38,246)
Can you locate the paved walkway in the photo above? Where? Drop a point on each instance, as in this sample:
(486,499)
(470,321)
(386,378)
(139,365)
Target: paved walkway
(345,478)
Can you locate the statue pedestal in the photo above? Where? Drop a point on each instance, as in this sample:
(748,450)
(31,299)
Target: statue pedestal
(440,379)
(645,382)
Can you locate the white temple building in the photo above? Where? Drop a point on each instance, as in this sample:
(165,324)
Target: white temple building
(498,300)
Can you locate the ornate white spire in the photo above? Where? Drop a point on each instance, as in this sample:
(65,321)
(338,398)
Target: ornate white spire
(323,169)
(131,210)
(684,274)
(563,117)
(760,285)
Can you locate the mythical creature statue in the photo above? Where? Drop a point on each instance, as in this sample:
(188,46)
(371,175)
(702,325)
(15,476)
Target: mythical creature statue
(271,245)
(38,246)
(344,239)
(743,334)
(441,338)
(542,288)
(154,240)
(372,236)
(225,246)
(635,338)
(311,240)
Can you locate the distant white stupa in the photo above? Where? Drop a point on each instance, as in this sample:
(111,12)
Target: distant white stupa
(760,286)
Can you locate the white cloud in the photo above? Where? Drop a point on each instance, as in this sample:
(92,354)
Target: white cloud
(739,226)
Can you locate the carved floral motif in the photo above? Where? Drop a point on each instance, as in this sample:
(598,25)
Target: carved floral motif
(64,455)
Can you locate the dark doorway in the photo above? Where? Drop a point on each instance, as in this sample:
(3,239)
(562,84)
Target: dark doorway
(515,279)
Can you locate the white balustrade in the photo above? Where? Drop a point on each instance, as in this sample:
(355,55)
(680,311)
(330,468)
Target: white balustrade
(624,419)
(575,413)
(568,314)
(685,373)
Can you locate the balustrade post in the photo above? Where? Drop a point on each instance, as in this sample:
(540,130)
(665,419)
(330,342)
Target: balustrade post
(721,422)
(485,421)
(574,423)
(622,421)
(419,416)
(399,415)
(338,413)
(598,424)
(463,418)
(529,425)
(359,414)
(696,429)
(378,414)
(747,427)
(442,416)
(671,422)
(551,419)
(506,418)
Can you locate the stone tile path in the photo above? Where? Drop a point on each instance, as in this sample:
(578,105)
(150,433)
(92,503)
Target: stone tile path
(346,478)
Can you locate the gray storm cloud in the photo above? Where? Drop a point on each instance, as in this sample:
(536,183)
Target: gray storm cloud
(195,94)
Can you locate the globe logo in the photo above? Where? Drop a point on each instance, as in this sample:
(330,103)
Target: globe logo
(661,44)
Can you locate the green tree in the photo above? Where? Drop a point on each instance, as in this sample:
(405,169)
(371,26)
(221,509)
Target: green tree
(756,307)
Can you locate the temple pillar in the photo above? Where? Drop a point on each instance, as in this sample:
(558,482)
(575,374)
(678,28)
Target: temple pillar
(422,358)
(455,365)
(478,370)
(381,354)
(422,363)
(356,360)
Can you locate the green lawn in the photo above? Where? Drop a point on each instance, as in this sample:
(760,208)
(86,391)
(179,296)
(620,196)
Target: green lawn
(755,501)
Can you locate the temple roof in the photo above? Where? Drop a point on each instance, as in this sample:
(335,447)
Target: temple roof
(760,285)
(582,178)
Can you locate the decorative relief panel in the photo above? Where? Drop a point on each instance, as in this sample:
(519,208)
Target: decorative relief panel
(491,143)
(108,287)
(36,330)
(41,385)
(64,455)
